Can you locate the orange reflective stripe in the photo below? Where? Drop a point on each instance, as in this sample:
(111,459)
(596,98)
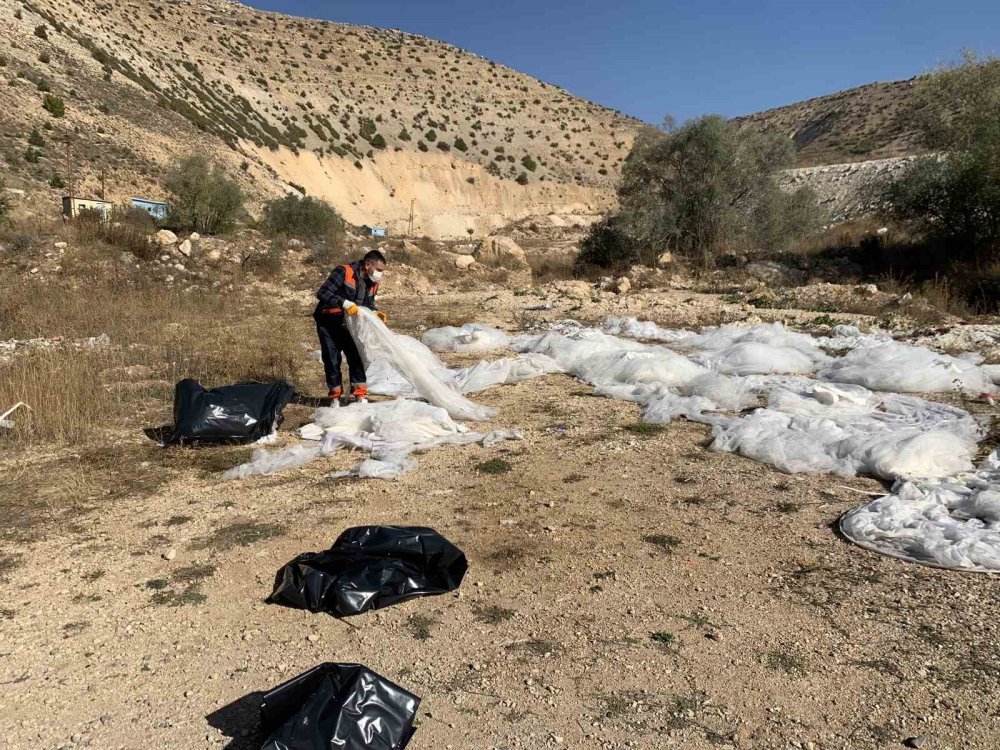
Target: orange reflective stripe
(332,310)
(359,391)
(349,276)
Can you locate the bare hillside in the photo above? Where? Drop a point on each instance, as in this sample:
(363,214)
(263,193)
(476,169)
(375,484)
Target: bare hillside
(285,102)
(867,122)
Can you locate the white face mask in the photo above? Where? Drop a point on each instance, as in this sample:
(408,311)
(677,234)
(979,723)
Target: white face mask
(375,276)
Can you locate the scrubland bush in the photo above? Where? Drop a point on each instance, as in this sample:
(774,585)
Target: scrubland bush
(205,200)
(700,190)
(306,217)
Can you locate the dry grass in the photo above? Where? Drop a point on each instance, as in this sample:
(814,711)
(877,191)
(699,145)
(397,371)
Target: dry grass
(156,337)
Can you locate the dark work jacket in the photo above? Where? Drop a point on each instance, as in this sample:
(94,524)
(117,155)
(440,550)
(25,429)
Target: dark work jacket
(345,283)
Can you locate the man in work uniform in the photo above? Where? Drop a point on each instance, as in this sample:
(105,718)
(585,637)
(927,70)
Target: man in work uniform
(347,287)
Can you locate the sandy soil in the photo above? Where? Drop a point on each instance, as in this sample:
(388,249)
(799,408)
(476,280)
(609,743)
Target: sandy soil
(627,589)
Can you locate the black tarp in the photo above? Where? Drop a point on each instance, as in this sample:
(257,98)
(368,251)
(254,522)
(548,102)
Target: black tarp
(230,414)
(342,706)
(370,567)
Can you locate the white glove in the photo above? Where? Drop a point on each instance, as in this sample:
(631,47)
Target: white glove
(350,308)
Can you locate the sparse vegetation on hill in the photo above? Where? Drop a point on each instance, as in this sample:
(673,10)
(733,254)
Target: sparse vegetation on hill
(868,122)
(225,79)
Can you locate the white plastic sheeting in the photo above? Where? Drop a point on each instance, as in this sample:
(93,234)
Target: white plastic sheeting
(950,523)
(894,366)
(389,430)
(408,357)
(845,419)
(472,338)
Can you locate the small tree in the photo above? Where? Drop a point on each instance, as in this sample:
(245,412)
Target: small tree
(54,105)
(307,217)
(205,199)
(953,195)
(704,188)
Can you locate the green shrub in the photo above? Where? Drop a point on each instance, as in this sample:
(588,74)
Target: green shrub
(129,231)
(45,58)
(444,146)
(493,168)
(4,201)
(56,181)
(522,179)
(32,155)
(377,141)
(528,163)
(404,135)
(460,145)
(54,105)
(431,136)
(205,200)
(301,217)
(954,200)
(41,32)
(422,146)
(266,265)
(36,139)
(702,189)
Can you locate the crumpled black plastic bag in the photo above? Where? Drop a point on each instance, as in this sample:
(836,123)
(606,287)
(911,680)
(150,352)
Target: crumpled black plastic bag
(231,414)
(342,706)
(370,567)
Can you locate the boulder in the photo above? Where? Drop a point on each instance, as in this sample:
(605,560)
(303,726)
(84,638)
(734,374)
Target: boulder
(623,285)
(402,280)
(731,260)
(500,251)
(165,238)
(665,259)
(464,261)
(185,248)
(771,272)
(576,289)
(194,237)
(410,248)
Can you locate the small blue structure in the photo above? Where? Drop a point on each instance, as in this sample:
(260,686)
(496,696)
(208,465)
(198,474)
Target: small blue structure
(376,231)
(157,209)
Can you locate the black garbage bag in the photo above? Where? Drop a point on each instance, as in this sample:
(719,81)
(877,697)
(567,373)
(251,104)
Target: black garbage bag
(342,706)
(231,414)
(370,567)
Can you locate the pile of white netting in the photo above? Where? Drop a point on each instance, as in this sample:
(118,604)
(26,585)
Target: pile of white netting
(838,404)
(392,431)
(835,404)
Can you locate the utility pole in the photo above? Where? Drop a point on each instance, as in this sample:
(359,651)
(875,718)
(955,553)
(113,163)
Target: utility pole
(69,177)
(104,175)
(412,201)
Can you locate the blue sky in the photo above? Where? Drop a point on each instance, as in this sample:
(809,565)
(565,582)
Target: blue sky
(650,58)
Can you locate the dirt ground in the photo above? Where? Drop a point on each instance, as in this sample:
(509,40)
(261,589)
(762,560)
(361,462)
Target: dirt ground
(627,588)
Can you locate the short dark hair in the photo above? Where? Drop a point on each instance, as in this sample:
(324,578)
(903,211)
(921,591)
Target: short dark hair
(375,256)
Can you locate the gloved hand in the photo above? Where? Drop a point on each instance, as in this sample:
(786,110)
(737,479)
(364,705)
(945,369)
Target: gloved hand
(350,308)
(382,316)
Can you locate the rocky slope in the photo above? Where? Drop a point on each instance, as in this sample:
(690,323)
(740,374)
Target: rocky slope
(367,118)
(867,122)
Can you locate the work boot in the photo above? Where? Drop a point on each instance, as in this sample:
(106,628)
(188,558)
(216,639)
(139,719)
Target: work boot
(360,392)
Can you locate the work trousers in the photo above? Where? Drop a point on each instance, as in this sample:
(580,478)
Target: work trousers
(335,340)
